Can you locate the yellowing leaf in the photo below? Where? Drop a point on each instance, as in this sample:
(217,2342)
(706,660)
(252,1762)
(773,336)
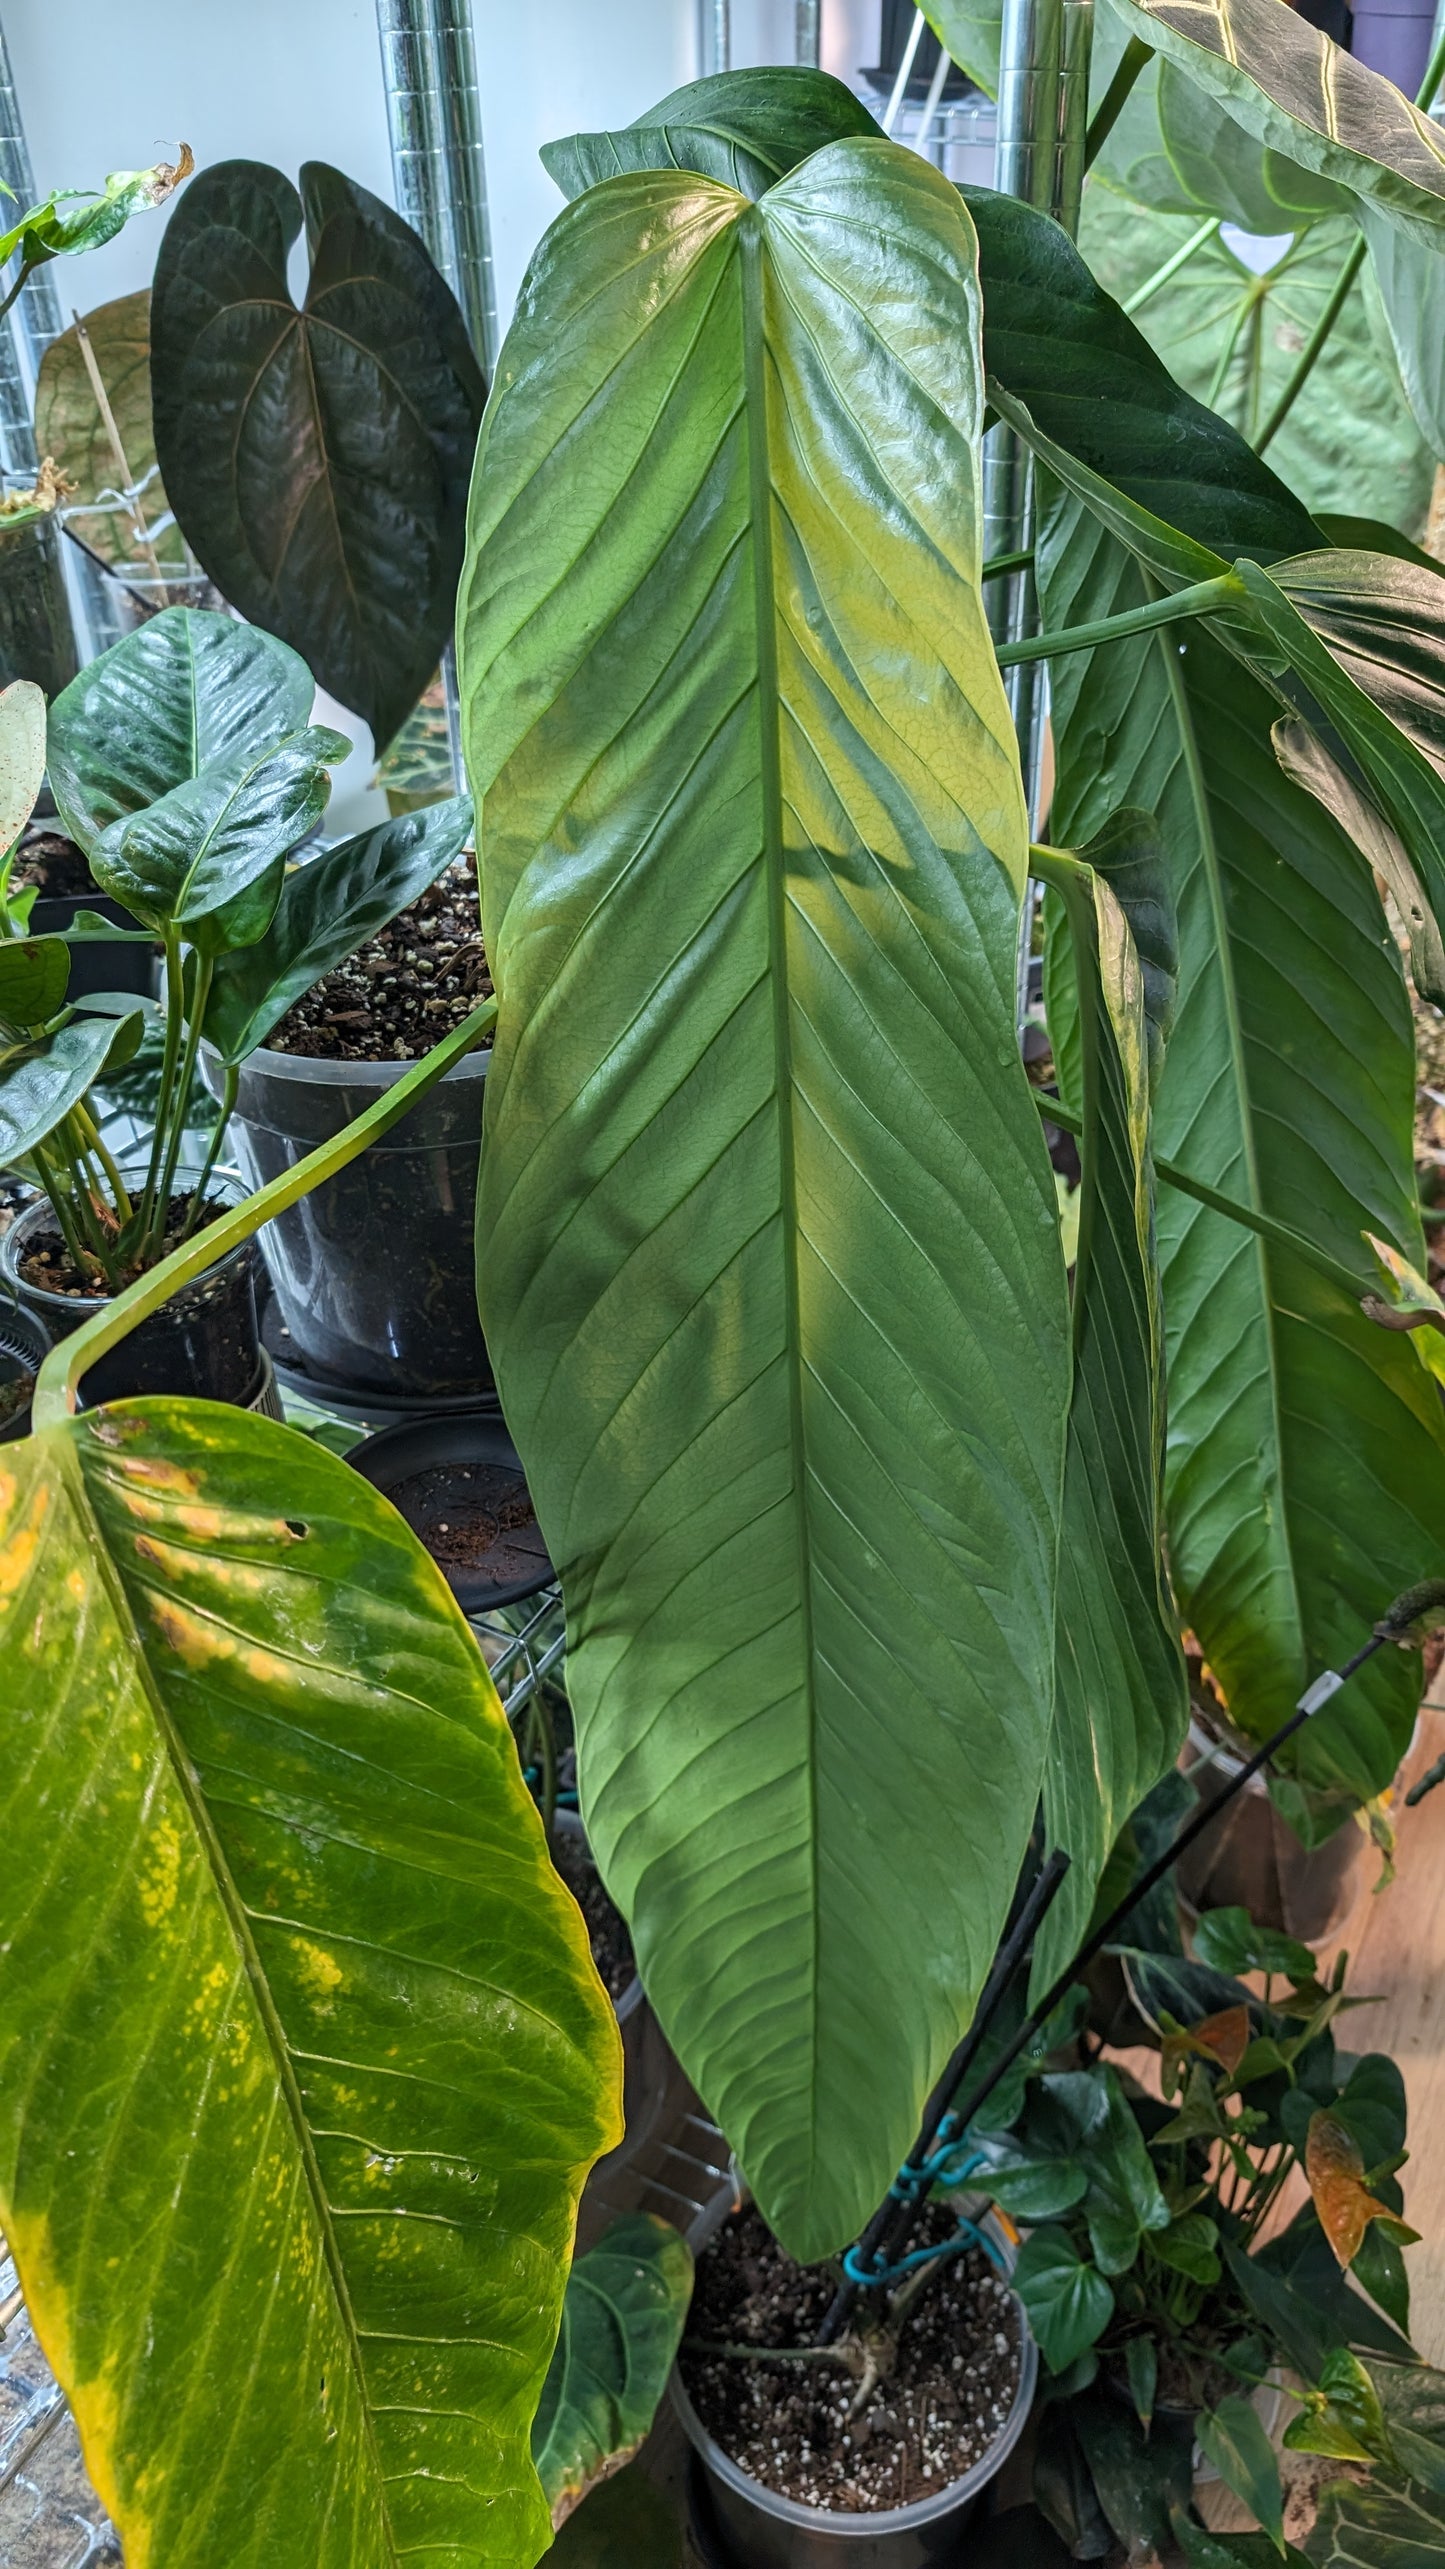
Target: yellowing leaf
(1336,2173)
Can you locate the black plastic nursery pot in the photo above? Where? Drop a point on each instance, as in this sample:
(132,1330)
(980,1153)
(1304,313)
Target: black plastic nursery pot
(24,1346)
(742,2524)
(459,1483)
(373,1271)
(203,1344)
(96,964)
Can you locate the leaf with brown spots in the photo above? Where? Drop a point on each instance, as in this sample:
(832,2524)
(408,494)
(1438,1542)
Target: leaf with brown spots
(1346,2207)
(303,2057)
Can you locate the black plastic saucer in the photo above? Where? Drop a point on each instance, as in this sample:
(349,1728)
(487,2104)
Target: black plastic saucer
(443,1472)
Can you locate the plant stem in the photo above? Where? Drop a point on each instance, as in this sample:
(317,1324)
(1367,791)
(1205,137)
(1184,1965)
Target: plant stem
(1053,1112)
(1145,293)
(229,1087)
(175,1027)
(180,1103)
(1111,106)
(60,1207)
(1201,599)
(1313,345)
(95,1143)
(744,2354)
(57,1384)
(1003,563)
(1217,380)
(15,290)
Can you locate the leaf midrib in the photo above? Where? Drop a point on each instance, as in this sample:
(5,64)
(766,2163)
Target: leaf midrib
(236,1916)
(1209,852)
(760,486)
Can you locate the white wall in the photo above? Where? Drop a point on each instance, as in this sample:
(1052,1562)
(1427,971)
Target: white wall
(116,84)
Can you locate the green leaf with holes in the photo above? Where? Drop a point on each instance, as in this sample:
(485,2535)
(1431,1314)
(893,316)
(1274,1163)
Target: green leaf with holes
(303,2057)
(622,2320)
(787,1367)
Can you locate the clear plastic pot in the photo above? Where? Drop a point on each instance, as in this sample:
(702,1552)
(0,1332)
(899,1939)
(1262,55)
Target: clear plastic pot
(373,1271)
(748,2526)
(202,1344)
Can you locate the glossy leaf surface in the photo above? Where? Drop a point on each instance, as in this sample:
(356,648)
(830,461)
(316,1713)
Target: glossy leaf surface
(41,1081)
(183,859)
(317,458)
(1291,87)
(1380,2526)
(187,691)
(1067,2300)
(622,2320)
(304,2056)
(328,908)
(72,219)
(1120,1702)
(769,1259)
(744,128)
(1288,1084)
(69,425)
(1232,2437)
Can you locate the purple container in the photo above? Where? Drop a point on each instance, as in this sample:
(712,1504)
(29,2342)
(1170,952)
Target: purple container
(1393,37)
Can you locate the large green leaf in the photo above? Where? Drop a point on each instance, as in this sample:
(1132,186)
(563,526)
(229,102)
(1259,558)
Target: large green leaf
(317,458)
(185,692)
(302,2054)
(1288,1085)
(622,2320)
(190,855)
(1234,2438)
(1410,275)
(1349,442)
(69,425)
(971,31)
(1378,2527)
(328,908)
(1056,342)
(1292,88)
(769,1258)
(745,128)
(1178,150)
(1121,1701)
(41,1080)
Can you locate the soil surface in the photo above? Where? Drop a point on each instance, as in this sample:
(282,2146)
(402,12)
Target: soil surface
(474,1516)
(15,1391)
(55,865)
(49,1264)
(934,2414)
(400,994)
(606,1928)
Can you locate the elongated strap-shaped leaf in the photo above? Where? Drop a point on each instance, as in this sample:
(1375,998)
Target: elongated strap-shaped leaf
(302,2054)
(1120,1702)
(622,2320)
(746,128)
(769,1265)
(1289,85)
(327,909)
(1288,1083)
(186,691)
(317,458)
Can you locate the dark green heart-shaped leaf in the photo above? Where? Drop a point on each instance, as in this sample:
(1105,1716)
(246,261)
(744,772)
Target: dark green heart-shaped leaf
(1230,1940)
(1379,2526)
(1121,1699)
(41,1081)
(304,2056)
(1282,1395)
(317,459)
(1233,2438)
(185,859)
(621,2322)
(1287,84)
(1067,2302)
(34,972)
(328,908)
(745,128)
(186,692)
(753,843)
(1189,2246)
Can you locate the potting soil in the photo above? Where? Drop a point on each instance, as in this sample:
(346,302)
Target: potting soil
(398,995)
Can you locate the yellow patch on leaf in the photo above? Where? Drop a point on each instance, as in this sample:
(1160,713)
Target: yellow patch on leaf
(94,2404)
(1336,2173)
(17,1552)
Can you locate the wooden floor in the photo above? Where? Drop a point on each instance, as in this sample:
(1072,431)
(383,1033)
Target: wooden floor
(1396,1942)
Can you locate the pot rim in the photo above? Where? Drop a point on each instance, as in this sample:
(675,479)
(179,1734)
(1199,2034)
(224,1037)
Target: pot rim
(884,2521)
(30,1217)
(311,1070)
